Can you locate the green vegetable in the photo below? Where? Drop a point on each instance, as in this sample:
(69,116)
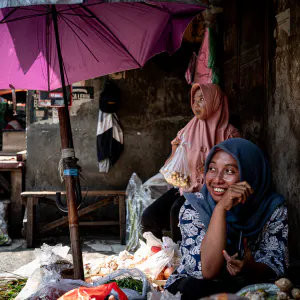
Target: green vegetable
(129,283)
(12,290)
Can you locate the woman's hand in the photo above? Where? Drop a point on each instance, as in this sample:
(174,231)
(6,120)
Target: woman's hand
(235,266)
(236,193)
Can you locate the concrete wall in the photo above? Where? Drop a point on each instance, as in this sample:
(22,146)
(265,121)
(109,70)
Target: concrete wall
(155,105)
(283,119)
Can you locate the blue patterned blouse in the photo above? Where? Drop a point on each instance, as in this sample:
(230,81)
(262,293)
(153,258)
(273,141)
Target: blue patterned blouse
(269,247)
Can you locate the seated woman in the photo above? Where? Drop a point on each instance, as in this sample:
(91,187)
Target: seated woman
(236,201)
(208,127)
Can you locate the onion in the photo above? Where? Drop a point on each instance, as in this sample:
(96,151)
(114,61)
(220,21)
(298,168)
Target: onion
(168,272)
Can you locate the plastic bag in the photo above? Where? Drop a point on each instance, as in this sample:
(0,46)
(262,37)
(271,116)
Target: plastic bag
(157,186)
(4,238)
(47,255)
(225,296)
(165,295)
(94,293)
(155,264)
(151,240)
(168,244)
(269,288)
(45,269)
(177,171)
(133,273)
(138,197)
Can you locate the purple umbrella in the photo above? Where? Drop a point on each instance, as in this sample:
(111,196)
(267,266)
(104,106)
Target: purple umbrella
(44,46)
(96,39)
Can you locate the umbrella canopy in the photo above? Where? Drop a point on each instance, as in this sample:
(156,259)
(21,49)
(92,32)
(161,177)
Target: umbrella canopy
(96,39)
(12,3)
(43,45)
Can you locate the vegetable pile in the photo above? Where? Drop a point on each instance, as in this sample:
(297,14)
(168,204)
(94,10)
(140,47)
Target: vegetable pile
(11,290)
(129,283)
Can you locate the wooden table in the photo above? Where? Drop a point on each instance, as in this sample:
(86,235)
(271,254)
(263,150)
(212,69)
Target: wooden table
(31,199)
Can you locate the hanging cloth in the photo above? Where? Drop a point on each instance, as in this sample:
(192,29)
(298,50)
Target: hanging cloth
(109,140)
(203,69)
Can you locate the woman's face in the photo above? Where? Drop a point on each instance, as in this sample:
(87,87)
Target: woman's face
(199,105)
(222,173)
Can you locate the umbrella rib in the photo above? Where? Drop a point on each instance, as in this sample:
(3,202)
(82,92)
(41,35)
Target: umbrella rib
(30,9)
(76,15)
(63,18)
(98,31)
(102,24)
(8,15)
(72,8)
(23,18)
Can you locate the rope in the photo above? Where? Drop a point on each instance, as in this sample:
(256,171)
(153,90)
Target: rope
(65,153)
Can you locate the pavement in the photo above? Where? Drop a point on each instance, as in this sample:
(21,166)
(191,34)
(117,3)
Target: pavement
(17,255)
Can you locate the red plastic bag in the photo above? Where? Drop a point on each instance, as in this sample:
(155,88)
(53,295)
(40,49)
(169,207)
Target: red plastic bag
(95,293)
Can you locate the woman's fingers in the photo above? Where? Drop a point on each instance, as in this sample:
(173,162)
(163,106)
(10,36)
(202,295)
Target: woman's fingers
(246,185)
(243,188)
(226,256)
(230,270)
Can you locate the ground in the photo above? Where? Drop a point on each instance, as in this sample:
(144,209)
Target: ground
(17,255)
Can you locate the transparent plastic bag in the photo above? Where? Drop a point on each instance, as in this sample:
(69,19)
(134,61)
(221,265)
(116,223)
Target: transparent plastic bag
(269,288)
(133,273)
(134,208)
(138,197)
(155,264)
(47,255)
(49,262)
(157,186)
(151,240)
(177,171)
(165,295)
(56,289)
(168,244)
(4,237)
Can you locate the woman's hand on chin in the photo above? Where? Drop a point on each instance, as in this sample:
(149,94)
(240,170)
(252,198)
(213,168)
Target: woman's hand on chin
(237,193)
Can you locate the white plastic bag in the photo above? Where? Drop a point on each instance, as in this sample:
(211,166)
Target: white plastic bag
(151,240)
(177,171)
(46,256)
(4,238)
(168,244)
(155,264)
(165,295)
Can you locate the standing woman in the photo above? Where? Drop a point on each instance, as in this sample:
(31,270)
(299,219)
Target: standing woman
(208,128)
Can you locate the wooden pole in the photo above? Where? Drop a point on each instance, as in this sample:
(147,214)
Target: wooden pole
(67,143)
(72,204)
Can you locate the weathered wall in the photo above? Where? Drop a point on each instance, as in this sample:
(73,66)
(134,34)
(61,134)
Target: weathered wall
(283,119)
(155,105)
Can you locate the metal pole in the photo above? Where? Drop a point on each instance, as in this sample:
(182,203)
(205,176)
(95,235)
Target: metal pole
(67,142)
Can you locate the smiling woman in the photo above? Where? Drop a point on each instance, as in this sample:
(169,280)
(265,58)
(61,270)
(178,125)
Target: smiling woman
(236,202)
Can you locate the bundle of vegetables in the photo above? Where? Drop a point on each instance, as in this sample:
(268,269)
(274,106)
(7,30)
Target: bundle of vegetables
(10,290)
(129,283)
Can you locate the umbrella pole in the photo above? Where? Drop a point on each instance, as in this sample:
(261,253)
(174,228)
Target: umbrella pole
(67,143)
